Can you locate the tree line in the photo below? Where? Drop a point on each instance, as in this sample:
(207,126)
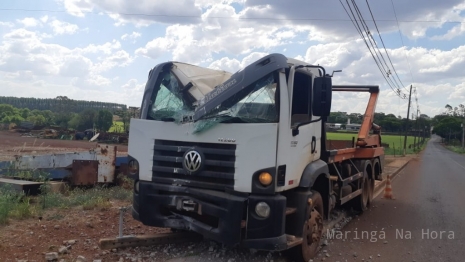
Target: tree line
(447,124)
(89,118)
(388,122)
(60,103)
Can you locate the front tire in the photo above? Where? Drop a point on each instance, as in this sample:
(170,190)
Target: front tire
(312,230)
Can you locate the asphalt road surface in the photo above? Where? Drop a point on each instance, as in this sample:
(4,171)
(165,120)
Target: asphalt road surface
(426,221)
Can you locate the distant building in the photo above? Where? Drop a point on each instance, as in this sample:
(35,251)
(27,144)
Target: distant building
(333,125)
(353,126)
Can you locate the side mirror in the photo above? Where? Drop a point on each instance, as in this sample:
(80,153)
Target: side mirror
(322,95)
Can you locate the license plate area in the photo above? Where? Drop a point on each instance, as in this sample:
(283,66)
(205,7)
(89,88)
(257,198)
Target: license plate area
(188,205)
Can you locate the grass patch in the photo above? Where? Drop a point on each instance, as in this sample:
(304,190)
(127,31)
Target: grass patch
(14,205)
(396,142)
(95,197)
(456,149)
(117,127)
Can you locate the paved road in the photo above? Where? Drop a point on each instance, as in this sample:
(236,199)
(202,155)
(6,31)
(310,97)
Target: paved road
(429,200)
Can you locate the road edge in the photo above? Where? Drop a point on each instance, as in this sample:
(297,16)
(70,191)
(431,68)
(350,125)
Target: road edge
(379,187)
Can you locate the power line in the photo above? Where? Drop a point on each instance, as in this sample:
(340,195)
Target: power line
(375,58)
(357,27)
(387,54)
(378,63)
(231,17)
(402,40)
(373,44)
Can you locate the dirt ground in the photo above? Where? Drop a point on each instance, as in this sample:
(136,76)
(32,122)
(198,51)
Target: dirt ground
(30,239)
(12,143)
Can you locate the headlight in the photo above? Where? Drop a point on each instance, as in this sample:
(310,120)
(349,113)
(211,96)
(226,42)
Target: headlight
(265,178)
(133,167)
(262,209)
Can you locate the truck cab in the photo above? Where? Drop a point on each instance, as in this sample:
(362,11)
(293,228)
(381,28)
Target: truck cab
(241,158)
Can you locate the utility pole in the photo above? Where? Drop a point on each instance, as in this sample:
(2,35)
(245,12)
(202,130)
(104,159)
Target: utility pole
(406,123)
(419,129)
(415,134)
(463,136)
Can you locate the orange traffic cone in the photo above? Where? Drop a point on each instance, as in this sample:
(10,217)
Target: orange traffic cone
(388,189)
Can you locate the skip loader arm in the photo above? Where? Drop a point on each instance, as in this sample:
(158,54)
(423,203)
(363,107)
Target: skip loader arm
(364,138)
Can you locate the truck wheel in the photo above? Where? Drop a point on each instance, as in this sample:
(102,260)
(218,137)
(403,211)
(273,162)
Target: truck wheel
(371,182)
(361,202)
(312,231)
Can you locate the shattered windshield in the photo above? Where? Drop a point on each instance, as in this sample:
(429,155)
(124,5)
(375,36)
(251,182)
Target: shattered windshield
(167,99)
(256,104)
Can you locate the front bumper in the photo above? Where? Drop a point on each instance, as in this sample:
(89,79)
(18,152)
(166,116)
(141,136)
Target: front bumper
(227,218)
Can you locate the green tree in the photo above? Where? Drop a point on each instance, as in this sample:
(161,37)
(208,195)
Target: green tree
(7,110)
(104,120)
(448,126)
(125,118)
(62,119)
(37,120)
(17,119)
(74,121)
(24,112)
(87,119)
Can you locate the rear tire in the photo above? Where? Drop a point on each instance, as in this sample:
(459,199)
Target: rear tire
(362,201)
(312,231)
(371,182)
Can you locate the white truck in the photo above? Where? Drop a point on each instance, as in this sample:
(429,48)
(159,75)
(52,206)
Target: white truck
(242,159)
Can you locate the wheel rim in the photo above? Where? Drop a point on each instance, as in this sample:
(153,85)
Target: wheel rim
(313,232)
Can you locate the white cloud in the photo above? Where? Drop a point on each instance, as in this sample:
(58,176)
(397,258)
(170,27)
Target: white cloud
(29,22)
(120,58)
(78,7)
(44,19)
(23,51)
(133,84)
(75,66)
(456,31)
(143,13)
(198,43)
(106,48)
(60,27)
(6,24)
(133,36)
(98,80)
(233,65)
(226,64)
(20,34)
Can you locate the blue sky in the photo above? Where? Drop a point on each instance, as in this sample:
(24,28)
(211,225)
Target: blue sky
(102,50)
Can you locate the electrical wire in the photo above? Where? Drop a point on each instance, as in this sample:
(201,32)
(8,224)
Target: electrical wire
(228,17)
(374,44)
(357,27)
(384,46)
(359,30)
(402,39)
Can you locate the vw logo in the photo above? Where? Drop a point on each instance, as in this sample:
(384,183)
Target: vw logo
(192,161)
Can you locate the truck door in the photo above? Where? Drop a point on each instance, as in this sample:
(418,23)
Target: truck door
(300,147)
